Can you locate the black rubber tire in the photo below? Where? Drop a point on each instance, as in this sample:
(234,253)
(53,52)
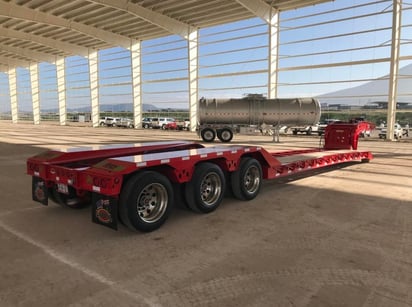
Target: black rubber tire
(247,179)
(206,190)
(54,197)
(309,131)
(146,201)
(145,126)
(225,135)
(180,200)
(70,200)
(208,135)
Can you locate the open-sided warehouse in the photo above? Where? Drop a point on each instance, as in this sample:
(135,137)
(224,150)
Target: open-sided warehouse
(340,237)
(331,229)
(76,61)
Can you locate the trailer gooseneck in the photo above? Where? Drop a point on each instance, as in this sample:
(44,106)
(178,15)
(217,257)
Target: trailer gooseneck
(139,184)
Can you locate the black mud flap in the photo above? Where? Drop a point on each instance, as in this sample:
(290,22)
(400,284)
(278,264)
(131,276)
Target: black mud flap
(39,191)
(104,210)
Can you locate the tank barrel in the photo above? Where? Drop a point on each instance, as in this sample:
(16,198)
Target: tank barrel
(252,111)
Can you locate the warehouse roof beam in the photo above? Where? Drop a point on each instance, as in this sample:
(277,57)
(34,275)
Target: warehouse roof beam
(60,46)
(67,28)
(27,53)
(11,10)
(258,8)
(12,62)
(169,24)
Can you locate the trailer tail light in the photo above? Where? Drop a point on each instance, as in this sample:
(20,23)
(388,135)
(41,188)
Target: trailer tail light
(100,182)
(61,174)
(33,168)
(71,179)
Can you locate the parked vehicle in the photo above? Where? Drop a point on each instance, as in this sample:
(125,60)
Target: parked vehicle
(183,124)
(162,122)
(366,132)
(305,129)
(171,126)
(123,122)
(397,131)
(148,122)
(106,121)
(224,117)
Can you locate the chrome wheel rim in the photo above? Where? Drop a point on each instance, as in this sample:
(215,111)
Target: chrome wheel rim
(225,135)
(152,203)
(208,135)
(251,179)
(210,189)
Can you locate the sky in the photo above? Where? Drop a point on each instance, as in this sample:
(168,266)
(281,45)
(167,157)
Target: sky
(316,35)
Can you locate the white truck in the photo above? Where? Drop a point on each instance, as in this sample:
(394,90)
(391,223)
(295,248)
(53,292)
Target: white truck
(305,129)
(183,124)
(106,121)
(397,131)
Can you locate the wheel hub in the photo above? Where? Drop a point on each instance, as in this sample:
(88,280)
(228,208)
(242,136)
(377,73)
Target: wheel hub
(210,189)
(252,179)
(152,202)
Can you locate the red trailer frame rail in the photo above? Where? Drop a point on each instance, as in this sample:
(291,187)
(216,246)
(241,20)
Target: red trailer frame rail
(140,183)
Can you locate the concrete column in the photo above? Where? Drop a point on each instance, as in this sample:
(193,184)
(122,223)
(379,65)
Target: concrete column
(193,45)
(135,53)
(61,90)
(35,93)
(394,69)
(273,53)
(94,85)
(13,95)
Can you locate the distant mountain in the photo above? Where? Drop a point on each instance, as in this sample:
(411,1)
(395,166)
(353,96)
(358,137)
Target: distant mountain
(126,107)
(121,107)
(371,91)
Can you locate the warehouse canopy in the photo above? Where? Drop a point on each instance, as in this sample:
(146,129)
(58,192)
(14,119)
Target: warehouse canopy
(44,30)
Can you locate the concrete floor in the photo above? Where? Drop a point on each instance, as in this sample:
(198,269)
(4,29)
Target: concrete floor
(342,237)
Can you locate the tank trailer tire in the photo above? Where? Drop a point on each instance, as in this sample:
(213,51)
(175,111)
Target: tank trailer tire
(247,179)
(225,135)
(206,190)
(208,135)
(146,201)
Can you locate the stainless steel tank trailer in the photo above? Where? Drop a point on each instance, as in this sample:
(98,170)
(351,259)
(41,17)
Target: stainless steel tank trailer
(224,117)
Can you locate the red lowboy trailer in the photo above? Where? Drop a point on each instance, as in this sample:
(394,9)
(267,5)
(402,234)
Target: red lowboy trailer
(140,183)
